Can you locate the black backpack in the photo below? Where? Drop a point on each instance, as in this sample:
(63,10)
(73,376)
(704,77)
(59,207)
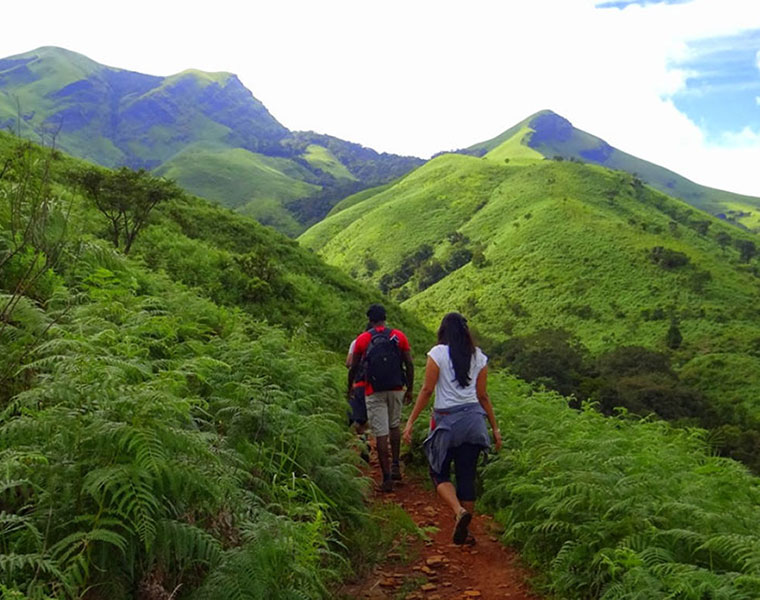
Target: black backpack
(382,362)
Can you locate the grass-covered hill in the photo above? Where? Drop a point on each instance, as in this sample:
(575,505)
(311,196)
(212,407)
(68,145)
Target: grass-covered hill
(205,130)
(171,426)
(549,135)
(534,245)
(233,260)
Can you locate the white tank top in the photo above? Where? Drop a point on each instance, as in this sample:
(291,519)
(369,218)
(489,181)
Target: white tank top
(448,392)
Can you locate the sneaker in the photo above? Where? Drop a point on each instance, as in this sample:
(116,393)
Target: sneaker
(460,529)
(396,472)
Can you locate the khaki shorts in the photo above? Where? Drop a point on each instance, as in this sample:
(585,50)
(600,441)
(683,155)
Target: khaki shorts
(384,411)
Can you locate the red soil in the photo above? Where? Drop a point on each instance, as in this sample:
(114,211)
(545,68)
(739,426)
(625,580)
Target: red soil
(442,570)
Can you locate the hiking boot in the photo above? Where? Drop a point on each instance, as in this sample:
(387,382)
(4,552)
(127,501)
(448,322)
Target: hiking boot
(396,472)
(387,485)
(365,449)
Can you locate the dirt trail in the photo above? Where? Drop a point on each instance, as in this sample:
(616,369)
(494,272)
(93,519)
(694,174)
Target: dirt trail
(441,570)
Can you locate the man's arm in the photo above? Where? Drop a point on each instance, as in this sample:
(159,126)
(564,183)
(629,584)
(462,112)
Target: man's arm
(426,391)
(355,362)
(406,356)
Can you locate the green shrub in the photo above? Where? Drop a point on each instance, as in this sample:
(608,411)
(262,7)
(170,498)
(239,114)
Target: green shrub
(667,258)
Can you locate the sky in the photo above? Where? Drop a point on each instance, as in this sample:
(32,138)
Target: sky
(675,82)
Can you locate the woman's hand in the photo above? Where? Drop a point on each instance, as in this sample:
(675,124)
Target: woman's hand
(497,439)
(406,435)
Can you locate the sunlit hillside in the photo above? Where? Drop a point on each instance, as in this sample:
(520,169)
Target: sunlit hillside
(536,244)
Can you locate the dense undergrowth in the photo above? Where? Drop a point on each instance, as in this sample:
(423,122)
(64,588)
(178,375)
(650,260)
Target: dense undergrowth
(171,422)
(622,508)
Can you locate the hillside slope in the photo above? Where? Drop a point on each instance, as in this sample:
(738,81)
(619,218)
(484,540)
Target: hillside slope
(537,244)
(206,130)
(549,135)
(175,418)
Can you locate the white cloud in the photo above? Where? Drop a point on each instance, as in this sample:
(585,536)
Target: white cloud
(747,137)
(424,76)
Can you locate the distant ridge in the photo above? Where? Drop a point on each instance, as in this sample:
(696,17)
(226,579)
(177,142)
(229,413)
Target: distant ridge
(553,136)
(206,130)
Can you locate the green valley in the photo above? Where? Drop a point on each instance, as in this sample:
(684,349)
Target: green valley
(172,407)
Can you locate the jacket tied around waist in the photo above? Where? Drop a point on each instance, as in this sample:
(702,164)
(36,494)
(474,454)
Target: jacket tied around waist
(453,427)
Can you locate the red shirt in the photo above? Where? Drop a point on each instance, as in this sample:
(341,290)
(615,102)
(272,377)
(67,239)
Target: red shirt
(363,341)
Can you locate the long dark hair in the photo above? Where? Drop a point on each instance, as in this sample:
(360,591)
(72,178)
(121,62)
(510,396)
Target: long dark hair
(454,333)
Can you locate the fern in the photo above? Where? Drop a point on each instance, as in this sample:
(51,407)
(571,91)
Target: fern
(128,493)
(182,544)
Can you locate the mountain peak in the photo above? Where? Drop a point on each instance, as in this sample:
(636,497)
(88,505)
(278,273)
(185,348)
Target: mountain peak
(543,113)
(545,120)
(51,51)
(52,58)
(547,127)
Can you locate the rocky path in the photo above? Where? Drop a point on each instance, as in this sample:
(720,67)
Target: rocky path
(441,570)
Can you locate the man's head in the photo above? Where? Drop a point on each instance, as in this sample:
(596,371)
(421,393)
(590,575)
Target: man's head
(376,314)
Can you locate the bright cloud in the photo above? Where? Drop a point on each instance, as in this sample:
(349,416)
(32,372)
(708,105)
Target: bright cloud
(424,76)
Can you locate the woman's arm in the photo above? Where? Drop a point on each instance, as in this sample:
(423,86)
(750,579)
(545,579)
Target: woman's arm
(485,402)
(428,386)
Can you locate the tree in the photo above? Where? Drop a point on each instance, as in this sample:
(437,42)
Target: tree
(723,239)
(747,250)
(457,237)
(458,258)
(34,237)
(552,357)
(429,273)
(673,338)
(667,258)
(701,227)
(633,360)
(371,264)
(478,259)
(125,198)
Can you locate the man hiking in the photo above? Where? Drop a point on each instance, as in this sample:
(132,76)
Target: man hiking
(385,356)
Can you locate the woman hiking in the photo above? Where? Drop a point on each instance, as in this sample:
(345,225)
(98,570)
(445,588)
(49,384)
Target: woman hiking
(456,370)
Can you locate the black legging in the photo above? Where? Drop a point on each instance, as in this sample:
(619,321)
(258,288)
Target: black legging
(465,459)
